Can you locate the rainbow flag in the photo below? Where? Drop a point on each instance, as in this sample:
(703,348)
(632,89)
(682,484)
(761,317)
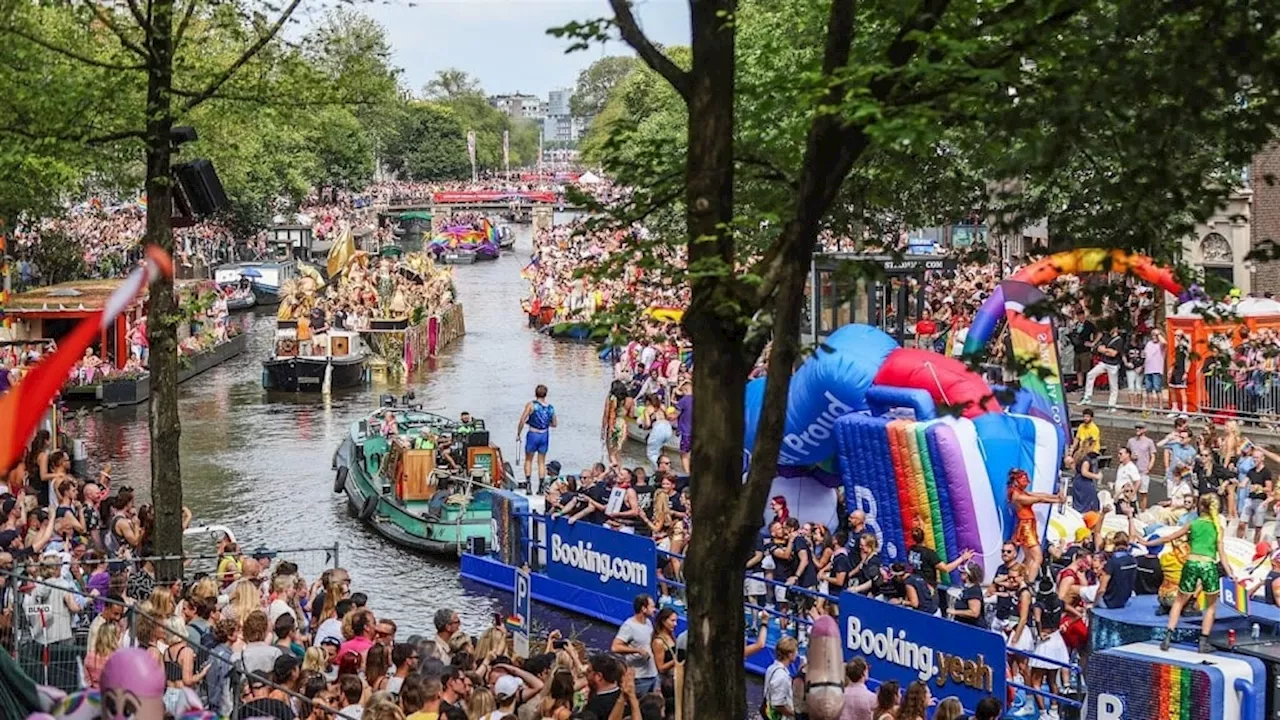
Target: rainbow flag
(24,404)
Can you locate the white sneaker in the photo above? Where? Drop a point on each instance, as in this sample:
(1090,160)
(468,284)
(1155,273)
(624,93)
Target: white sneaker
(1172,413)
(1111,408)
(1085,400)
(1051,714)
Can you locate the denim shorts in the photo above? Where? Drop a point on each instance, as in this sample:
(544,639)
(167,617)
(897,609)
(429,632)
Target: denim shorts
(1153,382)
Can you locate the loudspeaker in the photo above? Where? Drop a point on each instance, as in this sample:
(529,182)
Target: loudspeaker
(476,545)
(478,438)
(339,345)
(199,184)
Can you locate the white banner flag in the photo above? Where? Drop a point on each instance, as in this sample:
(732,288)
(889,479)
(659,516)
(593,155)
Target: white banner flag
(471,152)
(506,151)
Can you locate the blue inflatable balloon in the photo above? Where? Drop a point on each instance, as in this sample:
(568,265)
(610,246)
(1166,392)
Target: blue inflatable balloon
(831,383)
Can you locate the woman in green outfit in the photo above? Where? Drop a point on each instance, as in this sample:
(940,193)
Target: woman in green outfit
(1200,573)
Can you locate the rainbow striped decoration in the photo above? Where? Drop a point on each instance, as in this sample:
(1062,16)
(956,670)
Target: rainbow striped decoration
(1172,686)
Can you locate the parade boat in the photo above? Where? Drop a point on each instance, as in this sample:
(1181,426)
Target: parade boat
(330,360)
(266,278)
(390,469)
(506,238)
(238,296)
(465,244)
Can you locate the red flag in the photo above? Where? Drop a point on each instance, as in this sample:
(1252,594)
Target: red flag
(22,407)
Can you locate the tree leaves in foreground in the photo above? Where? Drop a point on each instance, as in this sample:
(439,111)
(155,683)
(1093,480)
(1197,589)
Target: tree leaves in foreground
(1120,122)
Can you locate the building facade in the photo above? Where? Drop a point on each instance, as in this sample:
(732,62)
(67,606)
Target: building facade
(519,106)
(1220,246)
(1265,217)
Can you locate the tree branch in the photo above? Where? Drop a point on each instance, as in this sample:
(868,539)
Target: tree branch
(23,131)
(182,25)
(652,56)
(105,18)
(244,58)
(65,52)
(136,12)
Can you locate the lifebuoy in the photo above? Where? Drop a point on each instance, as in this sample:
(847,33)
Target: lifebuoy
(340,481)
(370,504)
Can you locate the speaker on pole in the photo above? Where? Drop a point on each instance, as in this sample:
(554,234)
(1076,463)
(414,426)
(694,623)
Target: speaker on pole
(200,187)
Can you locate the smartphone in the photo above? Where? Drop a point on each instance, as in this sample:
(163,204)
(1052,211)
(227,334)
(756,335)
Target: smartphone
(497,619)
(560,644)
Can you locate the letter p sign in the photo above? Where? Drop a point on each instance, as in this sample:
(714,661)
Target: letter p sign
(1110,707)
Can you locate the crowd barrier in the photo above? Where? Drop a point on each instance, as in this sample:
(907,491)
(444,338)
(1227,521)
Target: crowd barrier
(596,571)
(1253,397)
(61,664)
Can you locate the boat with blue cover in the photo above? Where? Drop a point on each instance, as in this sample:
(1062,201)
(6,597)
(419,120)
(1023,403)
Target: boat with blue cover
(389,466)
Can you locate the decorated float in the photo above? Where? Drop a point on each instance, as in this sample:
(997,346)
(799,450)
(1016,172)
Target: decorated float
(403,308)
(463,243)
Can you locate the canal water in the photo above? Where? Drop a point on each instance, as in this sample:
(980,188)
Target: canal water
(259,463)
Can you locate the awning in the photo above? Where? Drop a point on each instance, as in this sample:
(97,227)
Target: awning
(415,215)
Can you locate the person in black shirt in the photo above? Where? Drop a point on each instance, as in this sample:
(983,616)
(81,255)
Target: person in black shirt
(925,561)
(754,587)
(257,704)
(804,571)
(918,594)
(1118,575)
(867,577)
(783,563)
(968,607)
(1110,351)
(602,678)
(857,528)
(1082,335)
(838,573)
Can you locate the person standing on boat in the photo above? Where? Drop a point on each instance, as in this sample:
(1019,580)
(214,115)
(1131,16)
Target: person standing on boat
(539,417)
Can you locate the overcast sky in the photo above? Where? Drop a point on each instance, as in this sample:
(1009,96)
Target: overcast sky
(504,42)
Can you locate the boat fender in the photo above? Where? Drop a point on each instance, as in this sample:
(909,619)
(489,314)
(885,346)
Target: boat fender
(370,504)
(340,482)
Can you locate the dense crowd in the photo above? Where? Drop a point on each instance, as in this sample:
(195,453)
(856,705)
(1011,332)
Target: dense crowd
(252,637)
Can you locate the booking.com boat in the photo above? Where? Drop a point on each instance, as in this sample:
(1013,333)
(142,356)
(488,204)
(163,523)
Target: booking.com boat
(390,475)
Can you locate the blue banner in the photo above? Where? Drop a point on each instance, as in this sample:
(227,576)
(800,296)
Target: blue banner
(906,645)
(601,560)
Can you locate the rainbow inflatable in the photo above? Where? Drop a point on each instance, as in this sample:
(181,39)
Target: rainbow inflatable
(874,408)
(479,242)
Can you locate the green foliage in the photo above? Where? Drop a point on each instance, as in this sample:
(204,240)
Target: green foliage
(429,145)
(59,258)
(596,83)
(451,84)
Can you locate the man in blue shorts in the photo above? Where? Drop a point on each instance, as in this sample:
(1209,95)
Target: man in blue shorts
(539,417)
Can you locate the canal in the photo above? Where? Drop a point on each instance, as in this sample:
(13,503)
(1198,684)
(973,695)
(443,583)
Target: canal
(259,462)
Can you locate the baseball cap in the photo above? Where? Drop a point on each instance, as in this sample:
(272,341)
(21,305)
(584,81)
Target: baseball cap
(507,686)
(1261,550)
(553,467)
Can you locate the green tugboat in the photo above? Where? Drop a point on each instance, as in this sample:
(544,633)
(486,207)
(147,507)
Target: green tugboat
(390,468)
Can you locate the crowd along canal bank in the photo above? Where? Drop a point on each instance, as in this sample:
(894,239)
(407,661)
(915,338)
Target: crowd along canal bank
(260,462)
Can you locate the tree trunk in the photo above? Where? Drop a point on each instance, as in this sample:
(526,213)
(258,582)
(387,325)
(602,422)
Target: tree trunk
(714,682)
(162,318)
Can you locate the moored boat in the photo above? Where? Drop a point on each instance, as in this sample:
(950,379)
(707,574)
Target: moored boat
(390,468)
(506,238)
(266,278)
(238,296)
(330,360)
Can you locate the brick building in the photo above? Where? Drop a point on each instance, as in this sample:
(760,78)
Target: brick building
(1266,215)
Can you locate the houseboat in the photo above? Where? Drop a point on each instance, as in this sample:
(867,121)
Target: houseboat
(330,360)
(265,277)
(391,469)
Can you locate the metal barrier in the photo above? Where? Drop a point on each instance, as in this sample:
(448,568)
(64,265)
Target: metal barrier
(311,561)
(1253,397)
(536,552)
(61,663)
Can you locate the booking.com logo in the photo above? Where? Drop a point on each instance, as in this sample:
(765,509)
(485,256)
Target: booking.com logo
(581,556)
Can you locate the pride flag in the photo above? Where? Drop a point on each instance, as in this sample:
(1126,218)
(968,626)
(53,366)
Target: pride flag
(23,405)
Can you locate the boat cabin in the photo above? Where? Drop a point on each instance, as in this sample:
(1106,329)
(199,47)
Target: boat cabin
(295,339)
(406,458)
(47,314)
